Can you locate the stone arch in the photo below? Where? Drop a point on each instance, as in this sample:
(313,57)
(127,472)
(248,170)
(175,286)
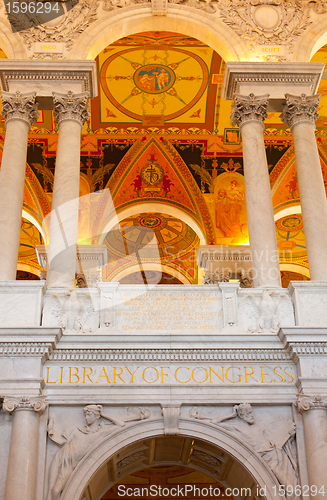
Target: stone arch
(153,207)
(114,25)
(153,267)
(11,43)
(311,41)
(146,429)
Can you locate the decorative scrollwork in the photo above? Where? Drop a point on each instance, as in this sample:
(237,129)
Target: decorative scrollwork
(71,106)
(34,404)
(249,108)
(303,108)
(19,106)
(305,403)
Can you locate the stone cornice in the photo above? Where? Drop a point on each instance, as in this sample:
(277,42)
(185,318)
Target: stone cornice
(28,342)
(17,106)
(249,108)
(28,404)
(299,109)
(301,341)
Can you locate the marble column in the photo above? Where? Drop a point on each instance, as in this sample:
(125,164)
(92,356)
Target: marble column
(313,409)
(71,112)
(24,442)
(249,113)
(300,114)
(20,111)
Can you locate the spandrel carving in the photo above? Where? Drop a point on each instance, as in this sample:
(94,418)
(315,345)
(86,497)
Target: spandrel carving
(276,447)
(79,442)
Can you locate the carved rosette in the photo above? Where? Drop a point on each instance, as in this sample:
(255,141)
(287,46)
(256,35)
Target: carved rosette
(30,404)
(249,108)
(19,106)
(71,106)
(301,108)
(305,403)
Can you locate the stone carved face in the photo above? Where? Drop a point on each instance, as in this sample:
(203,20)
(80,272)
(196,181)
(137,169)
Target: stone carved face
(92,414)
(247,416)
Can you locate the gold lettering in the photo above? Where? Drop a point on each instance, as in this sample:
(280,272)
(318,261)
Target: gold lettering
(222,374)
(196,368)
(104,375)
(143,374)
(180,381)
(263,375)
(288,381)
(61,370)
(118,374)
(70,375)
(132,374)
(47,379)
(87,374)
(163,374)
(239,376)
(278,381)
(249,374)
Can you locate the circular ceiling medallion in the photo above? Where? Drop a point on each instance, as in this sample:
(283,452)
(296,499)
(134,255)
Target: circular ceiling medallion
(154,78)
(150,221)
(290,223)
(267,17)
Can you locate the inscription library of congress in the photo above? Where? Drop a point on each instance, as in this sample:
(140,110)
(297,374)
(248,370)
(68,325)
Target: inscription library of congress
(163,249)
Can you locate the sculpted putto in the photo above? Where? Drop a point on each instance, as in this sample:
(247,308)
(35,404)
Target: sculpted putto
(276,448)
(78,443)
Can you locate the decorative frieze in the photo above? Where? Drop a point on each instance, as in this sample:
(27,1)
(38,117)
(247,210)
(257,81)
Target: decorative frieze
(25,349)
(303,108)
(305,403)
(249,108)
(17,106)
(71,106)
(33,404)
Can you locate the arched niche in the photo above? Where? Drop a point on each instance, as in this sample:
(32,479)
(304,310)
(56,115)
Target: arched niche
(92,464)
(114,25)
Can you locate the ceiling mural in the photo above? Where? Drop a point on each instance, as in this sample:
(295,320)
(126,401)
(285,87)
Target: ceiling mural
(160,132)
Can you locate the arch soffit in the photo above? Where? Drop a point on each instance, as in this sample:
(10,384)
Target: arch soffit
(11,43)
(153,207)
(152,267)
(119,440)
(139,18)
(295,268)
(311,40)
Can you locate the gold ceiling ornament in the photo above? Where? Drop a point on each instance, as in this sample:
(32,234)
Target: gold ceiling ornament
(276,22)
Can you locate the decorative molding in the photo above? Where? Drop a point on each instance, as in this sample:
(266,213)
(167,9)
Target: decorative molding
(67,30)
(249,108)
(274,22)
(171,415)
(71,106)
(209,6)
(31,404)
(301,108)
(170,355)
(159,7)
(131,459)
(206,458)
(26,349)
(305,403)
(19,106)
(119,4)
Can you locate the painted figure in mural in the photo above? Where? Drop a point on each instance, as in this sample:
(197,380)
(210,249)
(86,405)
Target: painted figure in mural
(166,183)
(163,79)
(78,443)
(137,183)
(276,448)
(228,210)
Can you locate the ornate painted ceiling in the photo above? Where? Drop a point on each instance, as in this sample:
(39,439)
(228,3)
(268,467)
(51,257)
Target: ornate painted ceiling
(161,141)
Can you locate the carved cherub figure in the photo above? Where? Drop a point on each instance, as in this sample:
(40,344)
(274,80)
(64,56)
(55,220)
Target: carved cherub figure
(79,442)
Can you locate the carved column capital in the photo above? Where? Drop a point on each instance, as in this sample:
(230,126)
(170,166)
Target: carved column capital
(33,404)
(305,403)
(249,108)
(303,108)
(71,106)
(19,106)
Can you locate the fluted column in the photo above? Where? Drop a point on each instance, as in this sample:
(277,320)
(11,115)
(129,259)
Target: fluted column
(249,113)
(313,409)
(24,442)
(300,114)
(20,112)
(71,112)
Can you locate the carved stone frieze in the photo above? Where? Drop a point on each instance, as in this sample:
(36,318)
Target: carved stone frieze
(34,404)
(119,4)
(206,458)
(305,403)
(69,26)
(303,108)
(275,22)
(19,106)
(249,108)
(210,6)
(131,459)
(71,106)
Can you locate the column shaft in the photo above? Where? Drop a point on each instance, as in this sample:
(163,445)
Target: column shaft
(249,113)
(71,113)
(300,113)
(20,112)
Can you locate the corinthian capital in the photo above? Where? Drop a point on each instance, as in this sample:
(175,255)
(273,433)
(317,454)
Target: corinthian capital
(19,106)
(305,403)
(303,108)
(249,108)
(34,404)
(71,106)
